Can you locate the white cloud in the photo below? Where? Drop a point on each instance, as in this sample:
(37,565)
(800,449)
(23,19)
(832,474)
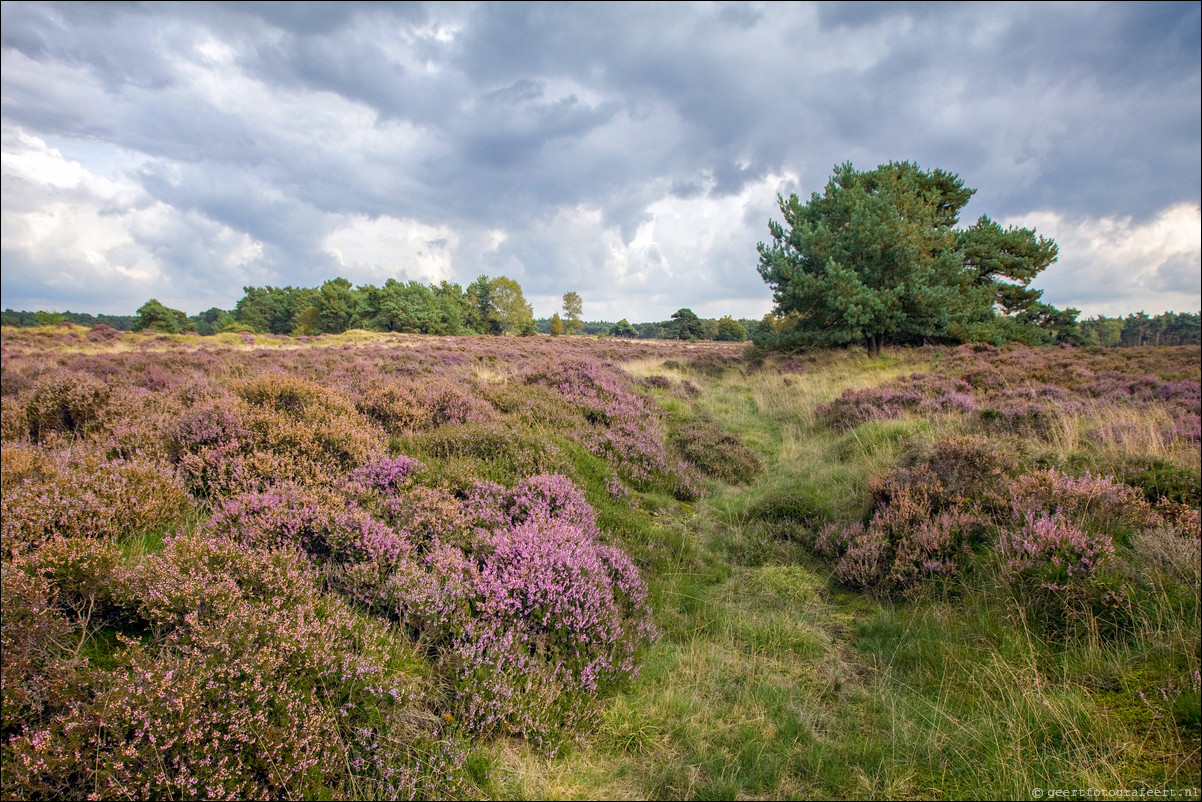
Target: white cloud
(92,242)
(1114,265)
(375,250)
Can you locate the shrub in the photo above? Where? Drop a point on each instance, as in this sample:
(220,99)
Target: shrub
(1057,570)
(262,687)
(531,616)
(40,676)
(561,617)
(14,425)
(282,429)
(87,496)
(1098,501)
(65,401)
(716,453)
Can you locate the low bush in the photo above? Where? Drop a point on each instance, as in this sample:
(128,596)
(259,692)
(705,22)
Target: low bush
(85,495)
(65,401)
(1059,572)
(716,453)
(259,686)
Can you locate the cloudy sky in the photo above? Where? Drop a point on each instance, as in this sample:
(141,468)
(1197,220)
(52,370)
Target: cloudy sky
(630,152)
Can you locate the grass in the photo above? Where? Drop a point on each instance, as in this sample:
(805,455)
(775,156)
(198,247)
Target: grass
(772,681)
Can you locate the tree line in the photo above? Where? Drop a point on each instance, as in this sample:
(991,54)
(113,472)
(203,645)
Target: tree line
(1136,329)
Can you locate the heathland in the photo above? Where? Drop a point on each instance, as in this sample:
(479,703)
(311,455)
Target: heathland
(386,565)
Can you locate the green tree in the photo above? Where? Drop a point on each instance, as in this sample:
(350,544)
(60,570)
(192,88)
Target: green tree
(482,317)
(573,308)
(556,325)
(514,315)
(336,305)
(730,330)
(153,316)
(877,259)
(685,325)
(210,321)
(623,329)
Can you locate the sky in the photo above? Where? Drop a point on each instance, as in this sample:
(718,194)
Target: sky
(632,153)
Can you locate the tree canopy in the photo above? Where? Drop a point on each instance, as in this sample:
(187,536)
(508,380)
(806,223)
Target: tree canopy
(153,316)
(573,308)
(877,259)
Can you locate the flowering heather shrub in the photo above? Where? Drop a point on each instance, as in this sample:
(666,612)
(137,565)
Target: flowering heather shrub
(84,495)
(14,425)
(261,687)
(424,516)
(656,382)
(919,530)
(83,573)
(865,561)
(1099,501)
(834,539)
(392,403)
(39,677)
(283,429)
(935,547)
(65,401)
(560,617)
(320,524)
(966,467)
(530,614)
(448,403)
(919,392)
(137,423)
(624,429)
(386,475)
(716,453)
(1033,411)
(100,333)
(1056,566)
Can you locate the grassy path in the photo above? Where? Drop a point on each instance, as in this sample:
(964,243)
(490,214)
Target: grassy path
(772,681)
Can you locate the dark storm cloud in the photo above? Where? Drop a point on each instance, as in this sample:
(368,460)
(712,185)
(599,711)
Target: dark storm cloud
(284,121)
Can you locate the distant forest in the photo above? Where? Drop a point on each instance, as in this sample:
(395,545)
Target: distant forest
(497,306)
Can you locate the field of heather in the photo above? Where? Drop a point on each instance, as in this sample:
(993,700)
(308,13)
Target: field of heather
(395,566)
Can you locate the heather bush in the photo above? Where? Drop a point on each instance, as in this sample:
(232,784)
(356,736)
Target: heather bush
(259,686)
(83,573)
(100,333)
(1092,501)
(65,401)
(448,403)
(529,614)
(623,427)
(1059,572)
(319,523)
(41,668)
(137,423)
(281,429)
(963,469)
(391,403)
(84,495)
(560,618)
(14,426)
(919,392)
(716,453)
